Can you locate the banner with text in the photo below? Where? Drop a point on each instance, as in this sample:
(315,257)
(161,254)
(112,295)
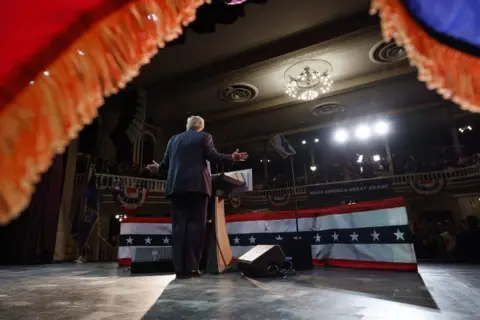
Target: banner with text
(349,192)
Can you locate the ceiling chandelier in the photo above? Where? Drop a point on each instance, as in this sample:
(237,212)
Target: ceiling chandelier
(308,79)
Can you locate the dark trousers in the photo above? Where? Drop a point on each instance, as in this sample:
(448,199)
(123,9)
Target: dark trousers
(189,216)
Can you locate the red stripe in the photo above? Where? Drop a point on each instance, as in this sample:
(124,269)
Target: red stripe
(304,213)
(125,262)
(147,220)
(356,264)
(312,213)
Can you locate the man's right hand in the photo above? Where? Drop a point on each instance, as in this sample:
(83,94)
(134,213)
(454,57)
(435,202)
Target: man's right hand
(153,167)
(238,156)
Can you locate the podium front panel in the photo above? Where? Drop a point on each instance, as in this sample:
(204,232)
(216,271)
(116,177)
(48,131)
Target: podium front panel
(219,250)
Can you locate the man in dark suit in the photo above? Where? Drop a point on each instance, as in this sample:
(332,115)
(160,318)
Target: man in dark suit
(189,186)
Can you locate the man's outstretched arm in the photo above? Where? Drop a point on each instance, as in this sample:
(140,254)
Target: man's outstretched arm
(214,156)
(162,166)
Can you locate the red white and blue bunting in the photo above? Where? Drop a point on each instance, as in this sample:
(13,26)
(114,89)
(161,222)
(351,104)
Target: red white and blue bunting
(235,201)
(279,200)
(369,235)
(428,187)
(130,198)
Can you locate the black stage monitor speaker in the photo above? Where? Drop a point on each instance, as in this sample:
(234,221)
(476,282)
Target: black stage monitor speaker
(263,261)
(299,252)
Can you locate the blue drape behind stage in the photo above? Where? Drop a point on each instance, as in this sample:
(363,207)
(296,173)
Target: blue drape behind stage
(459,19)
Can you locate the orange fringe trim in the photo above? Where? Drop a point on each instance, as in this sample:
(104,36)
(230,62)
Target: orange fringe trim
(48,114)
(453,74)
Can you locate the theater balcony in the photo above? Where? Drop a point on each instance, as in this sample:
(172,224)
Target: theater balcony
(454,191)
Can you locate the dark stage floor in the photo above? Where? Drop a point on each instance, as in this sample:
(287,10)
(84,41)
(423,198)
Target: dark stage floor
(102,291)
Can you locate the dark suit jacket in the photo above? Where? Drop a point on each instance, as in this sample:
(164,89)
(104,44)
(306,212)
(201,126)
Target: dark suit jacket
(186,161)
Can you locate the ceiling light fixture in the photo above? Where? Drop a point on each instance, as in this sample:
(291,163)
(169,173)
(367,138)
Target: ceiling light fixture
(309,79)
(340,136)
(381,128)
(363,132)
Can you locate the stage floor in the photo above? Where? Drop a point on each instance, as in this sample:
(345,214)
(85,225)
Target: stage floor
(102,291)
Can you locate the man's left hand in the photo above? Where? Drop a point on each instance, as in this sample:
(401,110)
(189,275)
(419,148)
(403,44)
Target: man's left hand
(238,156)
(153,167)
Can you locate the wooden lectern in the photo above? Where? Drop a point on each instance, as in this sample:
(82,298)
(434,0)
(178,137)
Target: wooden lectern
(219,252)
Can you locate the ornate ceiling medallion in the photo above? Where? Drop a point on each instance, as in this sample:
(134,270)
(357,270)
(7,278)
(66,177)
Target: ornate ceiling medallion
(327,108)
(238,93)
(387,52)
(309,79)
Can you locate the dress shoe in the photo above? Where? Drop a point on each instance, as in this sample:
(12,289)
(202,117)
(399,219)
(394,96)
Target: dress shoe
(195,274)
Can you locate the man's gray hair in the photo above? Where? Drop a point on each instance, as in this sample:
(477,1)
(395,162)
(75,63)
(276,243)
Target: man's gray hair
(195,122)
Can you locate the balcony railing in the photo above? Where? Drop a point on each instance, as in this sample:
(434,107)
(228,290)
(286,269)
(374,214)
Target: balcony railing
(398,180)
(105,181)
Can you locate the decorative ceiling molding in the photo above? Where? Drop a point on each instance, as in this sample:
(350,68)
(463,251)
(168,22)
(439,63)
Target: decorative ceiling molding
(285,50)
(387,52)
(281,102)
(285,101)
(238,93)
(327,108)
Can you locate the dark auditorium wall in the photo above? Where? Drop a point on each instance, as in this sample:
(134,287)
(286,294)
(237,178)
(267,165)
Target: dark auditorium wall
(30,239)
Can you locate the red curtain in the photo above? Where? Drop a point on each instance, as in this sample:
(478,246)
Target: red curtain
(59,59)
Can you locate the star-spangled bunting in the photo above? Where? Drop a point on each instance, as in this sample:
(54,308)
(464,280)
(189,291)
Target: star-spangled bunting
(375,235)
(335,236)
(381,235)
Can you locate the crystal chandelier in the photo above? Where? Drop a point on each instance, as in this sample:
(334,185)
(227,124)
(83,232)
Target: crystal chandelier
(307,80)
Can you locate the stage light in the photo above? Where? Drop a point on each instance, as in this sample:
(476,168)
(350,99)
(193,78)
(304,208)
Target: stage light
(381,128)
(261,160)
(340,136)
(362,132)
(304,142)
(268,160)
(120,219)
(313,168)
(316,140)
(117,216)
(376,158)
(360,158)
